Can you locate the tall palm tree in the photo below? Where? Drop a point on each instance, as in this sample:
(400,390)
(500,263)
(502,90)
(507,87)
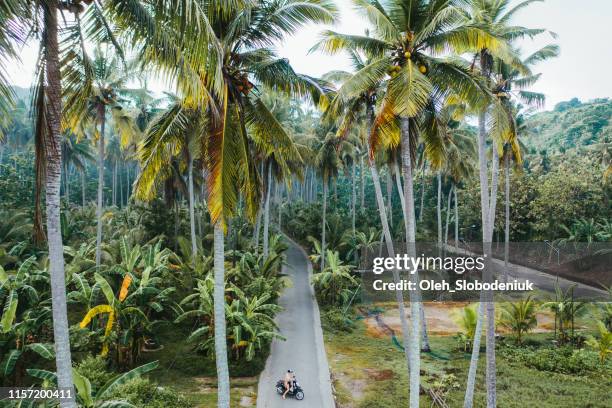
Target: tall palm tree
(494,16)
(358,111)
(158,46)
(409,43)
(105,82)
(240,63)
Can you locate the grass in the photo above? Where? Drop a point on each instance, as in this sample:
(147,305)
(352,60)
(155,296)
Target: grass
(371,372)
(194,375)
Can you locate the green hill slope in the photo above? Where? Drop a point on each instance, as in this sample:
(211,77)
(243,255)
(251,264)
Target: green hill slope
(571,124)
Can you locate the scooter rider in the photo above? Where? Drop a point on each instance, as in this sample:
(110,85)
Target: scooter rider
(288,381)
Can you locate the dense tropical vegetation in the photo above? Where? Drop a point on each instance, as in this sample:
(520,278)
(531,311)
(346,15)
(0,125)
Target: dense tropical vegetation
(134,223)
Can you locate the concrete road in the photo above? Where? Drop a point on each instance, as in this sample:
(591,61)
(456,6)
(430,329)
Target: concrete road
(303,351)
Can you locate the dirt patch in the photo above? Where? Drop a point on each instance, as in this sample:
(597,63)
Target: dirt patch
(379,375)
(440,320)
(247,401)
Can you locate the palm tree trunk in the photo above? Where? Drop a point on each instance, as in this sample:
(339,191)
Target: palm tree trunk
(102,120)
(421,207)
(83,187)
(415,296)
(353,198)
(335,180)
(280,206)
(323,226)
(389,193)
(114,181)
(439,207)
(194,246)
(456,222)
(391,253)
(120,187)
(61,336)
(468,400)
(127,184)
(257,228)
(448,210)
(67,184)
(362,176)
(266,236)
(223,385)
(400,190)
(507,205)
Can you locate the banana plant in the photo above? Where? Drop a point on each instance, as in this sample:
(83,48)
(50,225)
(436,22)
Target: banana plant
(250,323)
(86,396)
(16,286)
(121,315)
(335,281)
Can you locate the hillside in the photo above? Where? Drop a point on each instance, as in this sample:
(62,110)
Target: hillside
(571,124)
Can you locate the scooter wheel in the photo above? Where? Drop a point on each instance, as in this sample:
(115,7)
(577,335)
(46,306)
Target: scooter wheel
(279,390)
(299,395)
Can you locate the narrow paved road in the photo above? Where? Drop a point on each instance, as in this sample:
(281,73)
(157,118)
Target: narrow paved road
(303,351)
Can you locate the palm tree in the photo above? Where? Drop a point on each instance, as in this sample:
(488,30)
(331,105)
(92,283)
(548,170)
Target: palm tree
(172,135)
(158,46)
(408,44)
(240,59)
(355,111)
(495,17)
(335,281)
(520,317)
(106,81)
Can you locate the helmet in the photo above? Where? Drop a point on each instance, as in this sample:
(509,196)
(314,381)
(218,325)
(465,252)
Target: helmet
(290,371)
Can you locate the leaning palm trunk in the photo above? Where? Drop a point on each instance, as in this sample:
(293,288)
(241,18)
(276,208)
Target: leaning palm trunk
(266,237)
(391,253)
(323,227)
(192,229)
(400,190)
(61,336)
(102,119)
(415,296)
(223,390)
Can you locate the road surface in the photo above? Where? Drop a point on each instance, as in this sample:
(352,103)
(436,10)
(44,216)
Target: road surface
(542,280)
(303,351)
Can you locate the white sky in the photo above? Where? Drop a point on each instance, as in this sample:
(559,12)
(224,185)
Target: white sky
(584,28)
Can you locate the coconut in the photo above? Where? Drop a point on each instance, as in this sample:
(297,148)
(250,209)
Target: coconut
(423,69)
(407,54)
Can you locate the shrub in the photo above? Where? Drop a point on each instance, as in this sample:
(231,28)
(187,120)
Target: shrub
(96,370)
(143,393)
(335,321)
(559,360)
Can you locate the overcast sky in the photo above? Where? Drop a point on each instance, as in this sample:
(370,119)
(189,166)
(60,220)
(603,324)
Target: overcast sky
(582,70)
